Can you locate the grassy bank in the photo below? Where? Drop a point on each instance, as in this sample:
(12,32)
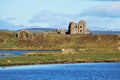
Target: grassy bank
(72,57)
(9,41)
(94,48)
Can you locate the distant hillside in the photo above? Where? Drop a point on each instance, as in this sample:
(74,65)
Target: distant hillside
(105,32)
(40,29)
(53,30)
(3,30)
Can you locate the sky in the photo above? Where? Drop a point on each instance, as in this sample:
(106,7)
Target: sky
(22,14)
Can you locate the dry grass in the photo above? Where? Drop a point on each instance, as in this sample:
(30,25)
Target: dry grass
(59,41)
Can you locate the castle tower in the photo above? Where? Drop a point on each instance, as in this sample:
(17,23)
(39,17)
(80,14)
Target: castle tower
(78,28)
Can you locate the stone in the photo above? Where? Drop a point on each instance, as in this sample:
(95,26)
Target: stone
(25,35)
(78,28)
(60,31)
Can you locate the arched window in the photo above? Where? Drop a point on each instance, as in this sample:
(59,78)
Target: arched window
(80,30)
(25,35)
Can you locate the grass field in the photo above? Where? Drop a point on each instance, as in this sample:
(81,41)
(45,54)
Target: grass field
(96,48)
(73,57)
(9,41)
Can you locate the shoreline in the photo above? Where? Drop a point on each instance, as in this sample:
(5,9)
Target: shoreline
(86,56)
(17,67)
(61,62)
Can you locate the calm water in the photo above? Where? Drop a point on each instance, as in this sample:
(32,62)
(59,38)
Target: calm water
(17,52)
(83,71)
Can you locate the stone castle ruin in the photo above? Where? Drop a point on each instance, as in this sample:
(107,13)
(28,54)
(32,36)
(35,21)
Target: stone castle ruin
(78,28)
(25,35)
(60,31)
(73,28)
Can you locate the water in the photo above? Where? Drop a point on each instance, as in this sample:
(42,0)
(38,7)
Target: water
(18,52)
(3,56)
(83,71)
(106,32)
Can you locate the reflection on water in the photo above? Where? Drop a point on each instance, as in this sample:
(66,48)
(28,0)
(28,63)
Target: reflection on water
(83,71)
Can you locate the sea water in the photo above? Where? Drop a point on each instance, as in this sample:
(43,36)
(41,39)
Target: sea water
(81,71)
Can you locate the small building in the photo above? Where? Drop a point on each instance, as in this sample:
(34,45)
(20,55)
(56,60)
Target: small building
(78,28)
(60,31)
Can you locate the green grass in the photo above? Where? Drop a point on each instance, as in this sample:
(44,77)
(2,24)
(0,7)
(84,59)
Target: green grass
(75,57)
(99,48)
(10,43)
(55,41)
(9,40)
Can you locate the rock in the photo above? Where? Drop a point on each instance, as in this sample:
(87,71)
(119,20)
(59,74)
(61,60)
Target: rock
(67,51)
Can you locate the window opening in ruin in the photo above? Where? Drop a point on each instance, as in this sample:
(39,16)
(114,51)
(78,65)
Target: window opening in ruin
(58,32)
(80,30)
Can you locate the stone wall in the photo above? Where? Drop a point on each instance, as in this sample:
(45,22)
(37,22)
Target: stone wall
(60,31)
(25,35)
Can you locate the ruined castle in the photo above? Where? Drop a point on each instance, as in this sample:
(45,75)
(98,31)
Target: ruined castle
(78,28)
(73,28)
(25,35)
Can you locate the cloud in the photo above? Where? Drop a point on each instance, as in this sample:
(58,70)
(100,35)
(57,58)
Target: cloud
(9,26)
(105,0)
(10,19)
(5,25)
(104,17)
(54,19)
(102,23)
(108,10)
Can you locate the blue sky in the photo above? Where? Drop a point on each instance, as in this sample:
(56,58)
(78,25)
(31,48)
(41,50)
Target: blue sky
(99,14)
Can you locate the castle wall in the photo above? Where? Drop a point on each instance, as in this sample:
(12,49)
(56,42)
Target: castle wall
(78,28)
(60,31)
(25,35)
